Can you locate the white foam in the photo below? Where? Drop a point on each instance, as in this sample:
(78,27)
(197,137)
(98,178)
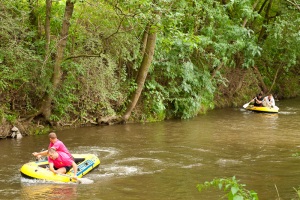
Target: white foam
(119,170)
(226,162)
(108,152)
(287,113)
(85,181)
(192,166)
(131,159)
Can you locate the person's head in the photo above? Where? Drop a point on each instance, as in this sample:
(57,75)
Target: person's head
(52,153)
(52,137)
(259,95)
(270,96)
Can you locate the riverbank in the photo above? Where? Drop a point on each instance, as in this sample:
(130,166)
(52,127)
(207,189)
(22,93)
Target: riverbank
(10,129)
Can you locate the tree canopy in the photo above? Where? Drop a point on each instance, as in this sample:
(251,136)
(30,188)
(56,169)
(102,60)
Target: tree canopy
(70,62)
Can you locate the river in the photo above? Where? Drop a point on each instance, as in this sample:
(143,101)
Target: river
(166,160)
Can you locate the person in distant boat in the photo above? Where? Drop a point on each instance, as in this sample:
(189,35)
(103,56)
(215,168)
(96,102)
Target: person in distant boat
(60,162)
(55,144)
(258,100)
(269,101)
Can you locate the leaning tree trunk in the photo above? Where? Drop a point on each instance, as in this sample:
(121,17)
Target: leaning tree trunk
(47,28)
(262,33)
(143,71)
(274,79)
(45,109)
(261,82)
(144,40)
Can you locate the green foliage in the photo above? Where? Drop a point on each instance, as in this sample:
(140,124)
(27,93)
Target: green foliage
(281,51)
(296,154)
(153,100)
(297,192)
(198,42)
(18,59)
(234,190)
(39,130)
(196,39)
(98,88)
(11,118)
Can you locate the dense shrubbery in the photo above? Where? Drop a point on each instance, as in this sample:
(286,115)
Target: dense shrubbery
(205,52)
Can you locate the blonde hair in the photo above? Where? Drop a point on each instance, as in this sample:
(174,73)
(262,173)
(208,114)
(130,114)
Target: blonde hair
(51,150)
(52,135)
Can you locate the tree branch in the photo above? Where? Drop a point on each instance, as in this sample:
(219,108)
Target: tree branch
(82,55)
(297,5)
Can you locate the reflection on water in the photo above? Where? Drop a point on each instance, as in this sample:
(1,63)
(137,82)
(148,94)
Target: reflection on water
(166,160)
(39,190)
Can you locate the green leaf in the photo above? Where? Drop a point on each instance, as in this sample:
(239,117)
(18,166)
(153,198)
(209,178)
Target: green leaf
(220,186)
(238,197)
(234,190)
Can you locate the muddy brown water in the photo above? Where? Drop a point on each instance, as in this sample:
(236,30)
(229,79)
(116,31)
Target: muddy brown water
(166,160)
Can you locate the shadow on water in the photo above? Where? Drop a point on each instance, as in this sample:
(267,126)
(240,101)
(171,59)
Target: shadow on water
(166,160)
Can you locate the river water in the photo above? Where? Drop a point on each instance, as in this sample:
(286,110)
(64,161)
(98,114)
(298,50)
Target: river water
(166,160)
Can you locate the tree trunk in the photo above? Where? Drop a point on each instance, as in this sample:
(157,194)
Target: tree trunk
(46,109)
(47,27)
(262,33)
(144,40)
(143,71)
(275,78)
(261,83)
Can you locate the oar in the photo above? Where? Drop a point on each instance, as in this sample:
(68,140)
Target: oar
(246,105)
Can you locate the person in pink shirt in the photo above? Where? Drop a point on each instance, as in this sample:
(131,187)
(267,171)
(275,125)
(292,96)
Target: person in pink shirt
(55,144)
(60,162)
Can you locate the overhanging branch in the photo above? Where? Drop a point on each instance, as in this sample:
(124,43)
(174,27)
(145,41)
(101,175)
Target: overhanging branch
(82,56)
(297,5)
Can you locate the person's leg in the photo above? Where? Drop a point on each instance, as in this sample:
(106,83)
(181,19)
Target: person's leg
(61,170)
(68,168)
(264,104)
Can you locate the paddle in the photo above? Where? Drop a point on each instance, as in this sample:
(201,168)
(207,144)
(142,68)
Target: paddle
(246,105)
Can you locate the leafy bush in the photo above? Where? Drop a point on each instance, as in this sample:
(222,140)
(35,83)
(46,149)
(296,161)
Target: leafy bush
(235,190)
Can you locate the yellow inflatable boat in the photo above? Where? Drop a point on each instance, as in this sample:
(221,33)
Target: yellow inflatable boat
(40,169)
(263,109)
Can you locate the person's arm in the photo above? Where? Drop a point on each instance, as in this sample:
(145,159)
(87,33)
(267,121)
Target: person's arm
(51,168)
(258,100)
(272,101)
(74,165)
(253,100)
(39,154)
